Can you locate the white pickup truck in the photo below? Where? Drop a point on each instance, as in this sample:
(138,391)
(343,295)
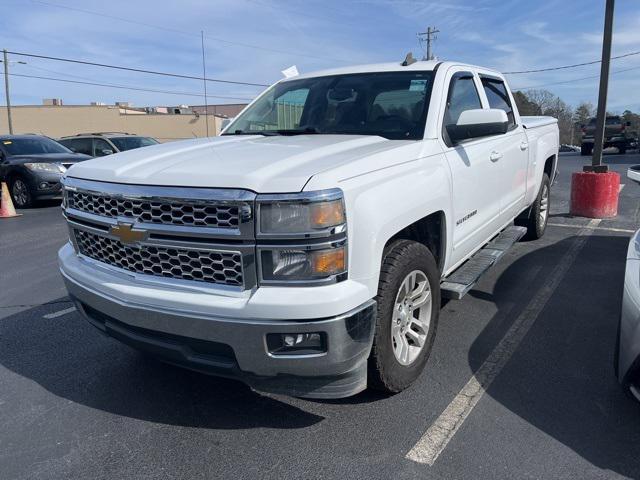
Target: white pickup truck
(305,251)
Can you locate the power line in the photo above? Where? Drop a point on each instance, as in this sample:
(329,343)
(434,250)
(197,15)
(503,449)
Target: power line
(181,32)
(574,79)
(138,70)
(550,69)
(91,81)
(125,87)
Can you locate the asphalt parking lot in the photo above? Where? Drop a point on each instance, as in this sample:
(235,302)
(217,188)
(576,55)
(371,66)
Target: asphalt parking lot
(538,333)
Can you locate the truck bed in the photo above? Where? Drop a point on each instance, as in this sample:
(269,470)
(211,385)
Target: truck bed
(534,122)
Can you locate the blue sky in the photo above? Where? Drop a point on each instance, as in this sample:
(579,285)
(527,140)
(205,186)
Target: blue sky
(253,40)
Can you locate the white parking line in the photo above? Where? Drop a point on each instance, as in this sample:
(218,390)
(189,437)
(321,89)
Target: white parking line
(621,187)
(59,313)
(607,229)
(440,433)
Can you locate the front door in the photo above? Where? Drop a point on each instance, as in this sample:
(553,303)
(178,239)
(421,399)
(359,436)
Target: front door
(475,172)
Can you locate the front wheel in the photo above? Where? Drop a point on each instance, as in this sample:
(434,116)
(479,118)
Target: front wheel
(20,193)
(536,220)
(408,308)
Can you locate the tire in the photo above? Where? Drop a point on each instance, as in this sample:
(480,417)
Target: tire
(20,193)
(405,263)
(622,150)
(586,149)
(536,220)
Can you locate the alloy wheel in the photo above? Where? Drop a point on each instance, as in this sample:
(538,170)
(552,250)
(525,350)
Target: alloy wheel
(20,192)
(544,206)
(411,317)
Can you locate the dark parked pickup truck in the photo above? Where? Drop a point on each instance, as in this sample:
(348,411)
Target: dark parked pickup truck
(32,166)
(616,134)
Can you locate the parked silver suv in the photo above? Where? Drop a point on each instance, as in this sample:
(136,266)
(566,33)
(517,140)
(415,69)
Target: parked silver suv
(100,144)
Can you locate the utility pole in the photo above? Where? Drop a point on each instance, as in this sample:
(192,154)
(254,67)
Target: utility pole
(204,82)
(431,36)
(596,160)
(6,90)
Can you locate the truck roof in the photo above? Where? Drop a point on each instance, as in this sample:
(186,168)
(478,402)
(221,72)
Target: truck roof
(420,65)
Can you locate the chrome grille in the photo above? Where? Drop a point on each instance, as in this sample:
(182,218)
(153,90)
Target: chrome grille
(166,212)
(219,267)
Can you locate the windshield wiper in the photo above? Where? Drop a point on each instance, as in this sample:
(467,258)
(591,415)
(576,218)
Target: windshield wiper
(266,133)
(282,131)
(300,131)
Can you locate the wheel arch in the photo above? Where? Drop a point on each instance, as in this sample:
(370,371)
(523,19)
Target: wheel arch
(431,231)
(550,167)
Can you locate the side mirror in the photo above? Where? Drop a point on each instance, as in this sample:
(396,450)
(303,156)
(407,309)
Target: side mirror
(106,151)
(478,123)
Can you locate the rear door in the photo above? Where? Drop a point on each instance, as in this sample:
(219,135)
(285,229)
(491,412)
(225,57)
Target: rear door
(477,181)
(510,150)
(79,145)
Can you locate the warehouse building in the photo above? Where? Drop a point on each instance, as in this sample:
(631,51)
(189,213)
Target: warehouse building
(55,119)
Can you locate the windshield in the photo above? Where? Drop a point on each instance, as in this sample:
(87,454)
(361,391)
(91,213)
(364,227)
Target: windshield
(389,104)
(129,143)
(32,146)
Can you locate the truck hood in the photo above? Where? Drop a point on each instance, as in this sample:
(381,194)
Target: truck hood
(263,164)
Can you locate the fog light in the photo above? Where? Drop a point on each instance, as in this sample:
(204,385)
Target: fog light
(43,185)
(296,343)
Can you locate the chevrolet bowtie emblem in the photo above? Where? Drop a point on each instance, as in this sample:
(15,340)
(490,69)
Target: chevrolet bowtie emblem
(126,233)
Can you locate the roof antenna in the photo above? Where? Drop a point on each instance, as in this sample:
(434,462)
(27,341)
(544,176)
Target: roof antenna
(408,60)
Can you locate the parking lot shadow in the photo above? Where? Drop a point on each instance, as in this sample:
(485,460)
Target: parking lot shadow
(72,360)
(561,379)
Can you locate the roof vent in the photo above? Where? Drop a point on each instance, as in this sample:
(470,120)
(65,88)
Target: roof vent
(408,60)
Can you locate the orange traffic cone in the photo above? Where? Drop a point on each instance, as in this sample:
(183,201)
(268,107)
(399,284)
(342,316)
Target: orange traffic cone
(6,205)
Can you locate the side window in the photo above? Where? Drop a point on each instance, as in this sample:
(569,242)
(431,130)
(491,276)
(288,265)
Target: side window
(79,145)
(101,147)
(498,97)
(463,95)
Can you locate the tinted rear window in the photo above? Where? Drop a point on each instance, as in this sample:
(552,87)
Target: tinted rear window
(129,143)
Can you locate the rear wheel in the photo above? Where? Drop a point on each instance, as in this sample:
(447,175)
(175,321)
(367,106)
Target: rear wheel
(408,308)
(622,150)
(538,216)
(20,193)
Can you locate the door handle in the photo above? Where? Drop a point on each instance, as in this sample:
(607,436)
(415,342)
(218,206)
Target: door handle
(495,156)
(524,146)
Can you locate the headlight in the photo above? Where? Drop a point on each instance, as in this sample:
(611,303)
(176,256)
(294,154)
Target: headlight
(46,167)
(300,263)
(300,214)
(307,238)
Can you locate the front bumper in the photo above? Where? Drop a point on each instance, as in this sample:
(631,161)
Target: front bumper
(607,142)
(236,347)
(45,185)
